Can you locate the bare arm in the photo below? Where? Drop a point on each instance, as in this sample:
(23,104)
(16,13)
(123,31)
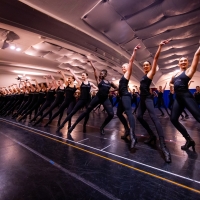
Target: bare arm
(36,83)
(128,73)
(95,72)
(75,76)
(47,80)
(152,72)
(164,87)
(190,71)
(54,81)
(94,86)
(63,76)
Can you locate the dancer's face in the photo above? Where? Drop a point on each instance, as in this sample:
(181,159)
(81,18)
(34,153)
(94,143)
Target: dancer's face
(84,76)
(183,63)
(60,82)
(146,67)
(160,87)
(102,75)
(70,80)
(124,68)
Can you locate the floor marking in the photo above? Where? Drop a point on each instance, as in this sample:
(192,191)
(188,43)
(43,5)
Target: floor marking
(102,191)
(105,147)
(115,161)
(82,140)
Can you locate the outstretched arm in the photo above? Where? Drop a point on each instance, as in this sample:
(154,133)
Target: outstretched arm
(54,81)
(190,71)
(164,87)
(190,83)
(74,75)
(63,76)
(95,72)
(47,81)
(152,72)
(128,73)
(36,83)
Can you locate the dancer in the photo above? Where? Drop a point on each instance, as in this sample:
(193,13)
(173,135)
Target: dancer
(160,100)
(60,89)
(134,100)
(100,98)
(69,101)
(184,98)
(146,102)
(125,100)
(50,97)
(84,99)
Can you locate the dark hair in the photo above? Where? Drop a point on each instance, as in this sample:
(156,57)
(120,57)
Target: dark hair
(61,79)
(104,70)
(73,77)
(183,57)
(147,61)
(85,73)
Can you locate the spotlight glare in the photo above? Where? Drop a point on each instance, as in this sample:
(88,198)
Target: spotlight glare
(12,47)
(18,49)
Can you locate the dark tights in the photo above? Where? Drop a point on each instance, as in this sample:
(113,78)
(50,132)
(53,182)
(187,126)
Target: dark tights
(182,101)
(160,102)
(125,106)
(80,104)
(69,104)
(147,104)
(95,101)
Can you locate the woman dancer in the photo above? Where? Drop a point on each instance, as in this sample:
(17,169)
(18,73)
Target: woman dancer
(125,100)
(160,100)
(146,102)
(100,98)
(84,99)
(69,101)
(41,93)
(60,89)
(50,97)
(184,98)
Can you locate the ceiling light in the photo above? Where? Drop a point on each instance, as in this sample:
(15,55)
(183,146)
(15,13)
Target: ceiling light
(12,47)
(18,49)
(19,75)
(27,77)
(29,73)
(113,79)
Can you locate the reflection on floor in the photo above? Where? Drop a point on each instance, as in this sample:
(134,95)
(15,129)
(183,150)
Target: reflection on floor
(38,163)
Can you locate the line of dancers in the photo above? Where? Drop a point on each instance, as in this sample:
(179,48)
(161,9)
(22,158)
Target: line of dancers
(43,98)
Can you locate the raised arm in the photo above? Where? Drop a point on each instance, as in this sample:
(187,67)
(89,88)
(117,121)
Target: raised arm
(152,72)
(46,80)
(74,75)
(36,83)
(190,71)
(128,73)
(54,81)
(95,72)
(164,87)
(63,76)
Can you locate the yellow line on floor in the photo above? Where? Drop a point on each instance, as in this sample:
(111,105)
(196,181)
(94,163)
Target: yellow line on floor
(112,160)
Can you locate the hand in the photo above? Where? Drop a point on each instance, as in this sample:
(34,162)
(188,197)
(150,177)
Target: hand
(137,47)
(165,42)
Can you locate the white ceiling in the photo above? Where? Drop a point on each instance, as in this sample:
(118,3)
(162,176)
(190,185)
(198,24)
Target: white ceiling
(103,31)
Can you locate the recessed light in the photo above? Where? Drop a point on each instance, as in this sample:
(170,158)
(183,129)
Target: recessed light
(12,47)
(18,49)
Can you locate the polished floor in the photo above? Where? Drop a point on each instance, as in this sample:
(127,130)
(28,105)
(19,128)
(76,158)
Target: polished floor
(38,163)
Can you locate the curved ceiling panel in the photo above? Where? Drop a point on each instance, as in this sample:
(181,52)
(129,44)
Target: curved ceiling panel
(65,52)
(35,52)
(176,34)
(145,18)
(110,23)
(65,59)
(46,46)
(127,7)
(166,24)
(172,7)
(74,68)
(52,56)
